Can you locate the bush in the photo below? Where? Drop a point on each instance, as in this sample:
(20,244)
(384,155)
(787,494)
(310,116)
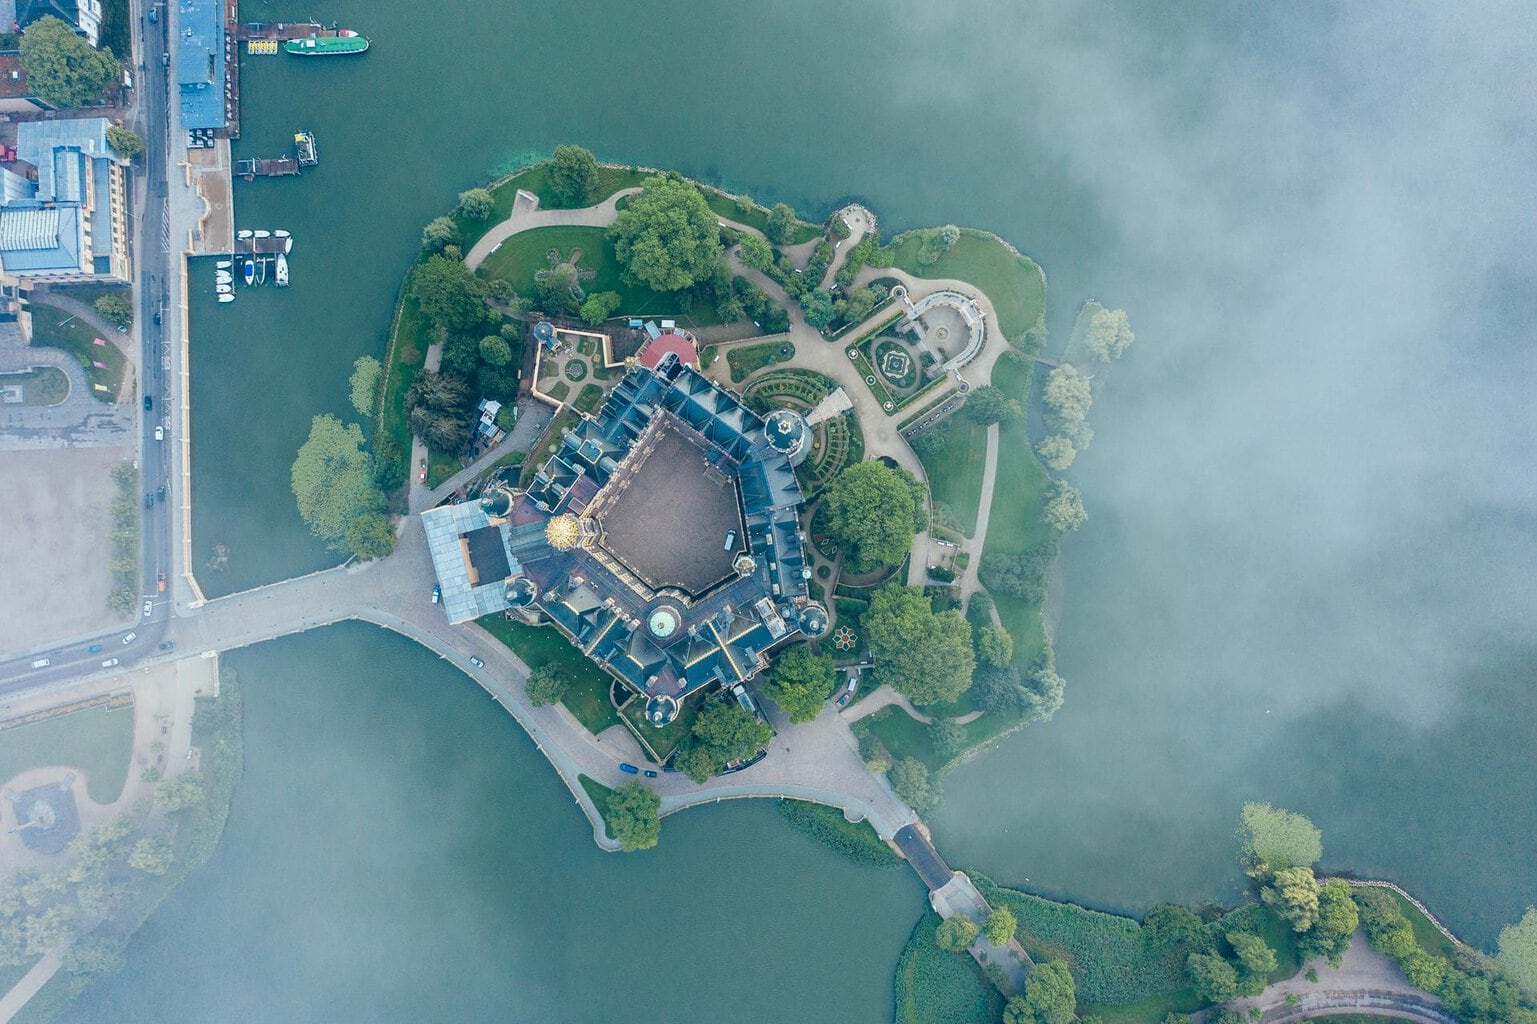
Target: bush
(956,934)
(115,308)
(855,840)
(476,204)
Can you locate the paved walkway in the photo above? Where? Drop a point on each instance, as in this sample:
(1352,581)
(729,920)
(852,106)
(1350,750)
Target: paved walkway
(526,215)
(882,696)
(29,985)
(959,897)
(968,582)
(80,421)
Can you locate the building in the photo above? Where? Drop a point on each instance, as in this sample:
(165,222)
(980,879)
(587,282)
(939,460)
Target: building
(64,205)
(85,15)
(16,96)
(662,538)
(200,58)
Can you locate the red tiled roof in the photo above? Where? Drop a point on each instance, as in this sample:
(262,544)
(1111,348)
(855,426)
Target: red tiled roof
(686,351)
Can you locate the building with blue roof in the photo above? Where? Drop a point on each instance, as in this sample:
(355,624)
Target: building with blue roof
(662,538)
(66,220)
(200,58)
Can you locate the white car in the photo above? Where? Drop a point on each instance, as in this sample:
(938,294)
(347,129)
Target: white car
(149,607)
(130,638)
(109,663)
(159,433)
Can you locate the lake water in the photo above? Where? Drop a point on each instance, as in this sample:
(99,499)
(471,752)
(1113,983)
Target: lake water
(1306,577)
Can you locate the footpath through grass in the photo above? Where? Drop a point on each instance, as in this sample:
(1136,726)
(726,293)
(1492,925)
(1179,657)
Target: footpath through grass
(1014,284)
(535,178)
(540,647)
(103,364)
(96,742)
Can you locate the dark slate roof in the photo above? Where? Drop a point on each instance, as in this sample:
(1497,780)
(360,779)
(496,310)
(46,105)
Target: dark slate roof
(487,555)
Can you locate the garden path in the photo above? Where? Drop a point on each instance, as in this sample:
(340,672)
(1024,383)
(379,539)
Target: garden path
(526,215)
(882,696)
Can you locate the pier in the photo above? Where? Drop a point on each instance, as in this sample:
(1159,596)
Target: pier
(278,167)
(271,246)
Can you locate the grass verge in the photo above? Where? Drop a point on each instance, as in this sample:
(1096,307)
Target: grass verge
(600,795)
(541,646)
(54,328)
(856,840)
(747,360)
(1013,283)
(96,742)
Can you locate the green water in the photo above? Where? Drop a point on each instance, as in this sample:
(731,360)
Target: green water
(1306,573)
(399,850)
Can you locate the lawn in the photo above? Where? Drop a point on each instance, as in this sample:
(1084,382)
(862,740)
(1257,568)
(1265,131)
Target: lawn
(54,328)
(747,360)
(937,987)
(407,355)
(955,474)
(536,179)
(666,739)
(905,736)
(726,206)
(95,741)
(89,293)
(540,646)
(520,256)
(588,398)
(1015,525)
(1013,283)
(600,795)
(440,467)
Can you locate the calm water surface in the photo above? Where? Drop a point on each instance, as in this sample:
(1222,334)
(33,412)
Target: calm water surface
(1272,599)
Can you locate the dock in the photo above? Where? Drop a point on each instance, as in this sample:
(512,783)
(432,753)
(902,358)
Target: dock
(277,167)
(281,32)
(260,246)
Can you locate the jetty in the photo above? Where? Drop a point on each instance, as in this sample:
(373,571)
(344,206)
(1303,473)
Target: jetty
(278,167)
(271,246)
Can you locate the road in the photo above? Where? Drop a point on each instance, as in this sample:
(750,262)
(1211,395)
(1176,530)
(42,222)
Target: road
(152,271)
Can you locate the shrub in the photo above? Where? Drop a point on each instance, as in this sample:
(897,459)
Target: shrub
(856,840)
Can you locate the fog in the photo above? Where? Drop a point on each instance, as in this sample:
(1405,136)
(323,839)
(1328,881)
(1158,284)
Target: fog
(1312,488)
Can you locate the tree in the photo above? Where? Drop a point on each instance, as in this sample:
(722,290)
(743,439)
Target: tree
(1170,924)
(451,296)
(1424,971)
(923,654)
(366,373)
(1064,509)
(817,305)
(333,479)
(956,934)
(993,645)
(125,141)
(115,308)
(1294,895)
(1022,575)
(755,252)
(440,233)
(1057,452)
(495,350)
(989,404)
(62,68)
(1255,961)
(599,306)
(476,203)
(440,406)
(873,511)
(730,732)
(1274,839)
(1000,926)
(936,243)
(781,224)
(697,763)
(47,931)
(1337,920)
(1214,978)
(94,954)
(1518,950)
(180,792)
(371,535)
(633,816)
(573,175)
(668,237)
(1067,393)
(152,855)
(800,682)
(546,686)
(1050,995)
(1109,334)
(911,782)
(856,305)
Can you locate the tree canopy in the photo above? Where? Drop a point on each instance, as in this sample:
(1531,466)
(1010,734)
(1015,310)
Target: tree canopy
(440,233)
(1337,920)
(125,141)
(1255,961)
(1050,997)
(1000,926)
(873,511)
(1274,839)
(956,934)
(1215,980)
(1067,393)
(476,203)
(573,175)
(781,224)
(724,732)
(333,479)
(989,404)
(1293,893)
(668,238)
(1108,334)
(923,654)
(800,682)
(1064,509)
(62,68)
(366,372)
(911,781)
(754,252)
(450,294)
(634,816)
(1056,451)
(546,685)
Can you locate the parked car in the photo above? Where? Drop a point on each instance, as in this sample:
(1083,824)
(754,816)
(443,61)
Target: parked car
(42,663)
(160,493)
(649,773)
(168,645)
(149,607)
(159,433)
(109,663)
(628,769)
(421,477)
(130,638)
(477,663)
(149,403)
(93,649)
(437,593)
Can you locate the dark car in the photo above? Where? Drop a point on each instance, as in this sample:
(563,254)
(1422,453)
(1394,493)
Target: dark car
(160,493)
(149,403)
(93,649)
(649,773)
(628,769)
(167,645)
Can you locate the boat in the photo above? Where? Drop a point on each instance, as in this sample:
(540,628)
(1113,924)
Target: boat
(288,240)
(222,265)
(304,146)
(261,271)
(280,233)
(226,297)
(250,271)
(282,271)
(223,278)
(243,233)
(262,233)
(223,289)
(344,43)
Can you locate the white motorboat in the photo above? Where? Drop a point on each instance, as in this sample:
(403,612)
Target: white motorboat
(243,233)
(227,298)
(288,245)
(261,271)
(280,233)
(223,277)
(282,271)
(223,265)
(262,233)
(288,239)
(224,289)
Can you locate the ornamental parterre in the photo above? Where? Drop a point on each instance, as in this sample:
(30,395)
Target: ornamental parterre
(662,538)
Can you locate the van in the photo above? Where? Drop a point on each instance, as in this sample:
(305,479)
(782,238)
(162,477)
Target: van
(730,539)
(41,663)
(159,433)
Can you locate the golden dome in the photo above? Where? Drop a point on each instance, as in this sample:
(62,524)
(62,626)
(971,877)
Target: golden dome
(563,532)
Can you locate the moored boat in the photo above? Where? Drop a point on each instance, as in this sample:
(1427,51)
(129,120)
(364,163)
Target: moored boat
(243,233)
(226,297)
(288,239)
(342,44)
(262,233)
(223,278)
(250,271)
(261,271)
(223,289)
(282,271)
(222,265)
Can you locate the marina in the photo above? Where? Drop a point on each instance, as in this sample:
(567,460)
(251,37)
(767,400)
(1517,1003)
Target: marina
(260,256)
